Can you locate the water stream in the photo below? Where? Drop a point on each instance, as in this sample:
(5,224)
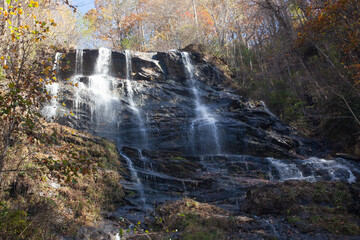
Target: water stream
(101,84)
(104,106)
(313,169)
(79,62)
(204,136)
(52,88)
(130,94)
(135,179)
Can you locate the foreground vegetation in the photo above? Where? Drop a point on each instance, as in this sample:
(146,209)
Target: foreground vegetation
(30,199)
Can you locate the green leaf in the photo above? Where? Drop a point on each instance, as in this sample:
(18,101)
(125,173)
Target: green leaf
(11,85)
(8,1)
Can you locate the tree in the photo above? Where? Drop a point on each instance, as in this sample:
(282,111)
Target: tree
(117,23)
(26,64)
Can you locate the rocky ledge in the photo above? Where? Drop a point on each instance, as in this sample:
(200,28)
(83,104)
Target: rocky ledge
(162,94)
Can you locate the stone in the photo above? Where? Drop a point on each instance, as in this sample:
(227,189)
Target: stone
(155,124)
(357,148)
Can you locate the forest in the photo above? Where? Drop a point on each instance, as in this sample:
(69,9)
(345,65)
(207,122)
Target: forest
(297,59)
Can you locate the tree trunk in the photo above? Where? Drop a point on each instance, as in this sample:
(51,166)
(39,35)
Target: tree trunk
(196,21)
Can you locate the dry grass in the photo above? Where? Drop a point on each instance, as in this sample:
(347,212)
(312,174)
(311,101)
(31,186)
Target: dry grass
(44,200)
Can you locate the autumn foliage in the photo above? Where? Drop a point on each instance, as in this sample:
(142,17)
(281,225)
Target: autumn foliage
(336,22)
(26,67)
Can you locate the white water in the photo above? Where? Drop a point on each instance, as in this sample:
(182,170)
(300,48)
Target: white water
(117,237)
(130,95)
(79,62)
(134,177)
(78,75)
(266,109)
(56,62)
(204,121)
(314,169)
(52,89)
(101,85)
(50,110)
(287,171)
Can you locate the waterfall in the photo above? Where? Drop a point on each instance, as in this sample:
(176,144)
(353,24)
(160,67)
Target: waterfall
(79,62)
(52,89)
(76,78)
(266,109)
(56,62)
(204,125)
(134,177)
(50,110)
(130,95)
(101,85)
(313,169)
(159,166)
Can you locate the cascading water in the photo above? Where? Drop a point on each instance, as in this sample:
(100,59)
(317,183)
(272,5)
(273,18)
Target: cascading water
(50,110)
(133,107)
(52,88)
(109,107)
(266,109)
(79,62)
(135,179)
(101,85)
(78,75)
(313,169)
(57,61)
(204,125)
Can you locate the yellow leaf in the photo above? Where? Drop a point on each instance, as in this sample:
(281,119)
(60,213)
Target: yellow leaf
(64,104)
(5,67)
(40,80)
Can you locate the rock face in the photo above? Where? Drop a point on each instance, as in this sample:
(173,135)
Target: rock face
(179,130)
(162,94)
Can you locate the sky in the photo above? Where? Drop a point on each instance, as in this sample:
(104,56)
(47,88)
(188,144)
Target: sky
(83,5)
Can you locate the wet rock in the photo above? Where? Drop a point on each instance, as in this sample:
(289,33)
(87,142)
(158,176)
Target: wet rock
(243,127)
(174,152)
(357,148)
(172,65)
